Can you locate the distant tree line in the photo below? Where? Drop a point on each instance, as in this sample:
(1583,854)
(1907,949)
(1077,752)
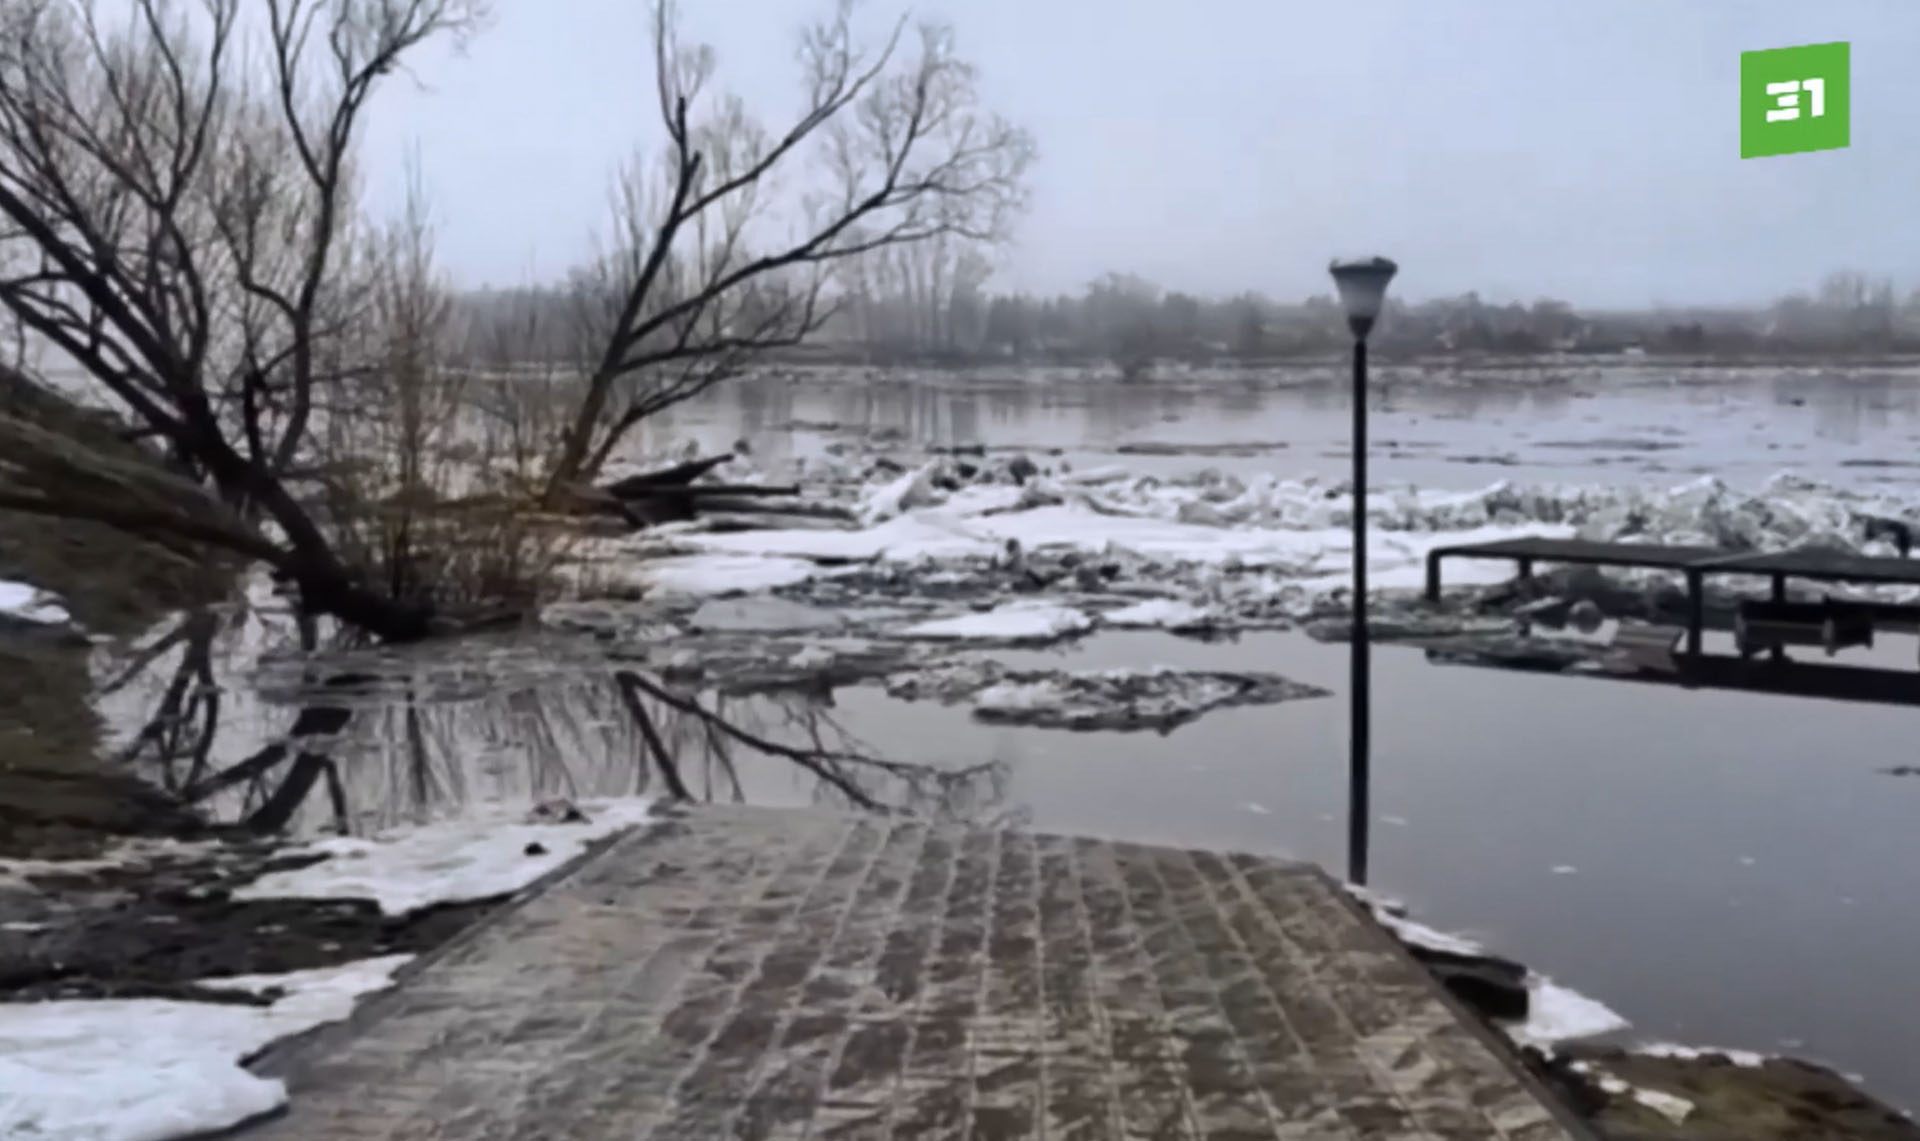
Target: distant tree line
(929,304)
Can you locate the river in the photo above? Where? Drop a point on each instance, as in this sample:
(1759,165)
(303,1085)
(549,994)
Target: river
(1722,869)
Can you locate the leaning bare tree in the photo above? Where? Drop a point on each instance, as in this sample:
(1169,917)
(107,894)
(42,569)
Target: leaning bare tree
(178,225)
(709,268)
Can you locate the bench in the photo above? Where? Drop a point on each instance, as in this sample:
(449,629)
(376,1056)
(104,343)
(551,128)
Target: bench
(1773,626)
(1645,646)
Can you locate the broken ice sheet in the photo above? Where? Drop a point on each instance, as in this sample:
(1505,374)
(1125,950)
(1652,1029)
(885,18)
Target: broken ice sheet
(1023,620)
(1160,699)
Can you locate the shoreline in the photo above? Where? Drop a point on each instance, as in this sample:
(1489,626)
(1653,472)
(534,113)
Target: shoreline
(173,925)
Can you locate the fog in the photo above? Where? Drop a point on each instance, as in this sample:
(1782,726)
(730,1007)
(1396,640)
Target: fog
(1511,147)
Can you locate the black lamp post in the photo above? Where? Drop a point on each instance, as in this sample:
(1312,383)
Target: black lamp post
(1363,290)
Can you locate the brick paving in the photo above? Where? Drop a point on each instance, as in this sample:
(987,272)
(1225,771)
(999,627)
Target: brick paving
(779,975)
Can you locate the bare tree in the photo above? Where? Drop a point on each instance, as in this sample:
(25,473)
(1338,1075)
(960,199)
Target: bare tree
(178,223)
(707,271)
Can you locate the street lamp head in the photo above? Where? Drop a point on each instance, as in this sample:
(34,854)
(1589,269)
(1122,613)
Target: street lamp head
(1363,290)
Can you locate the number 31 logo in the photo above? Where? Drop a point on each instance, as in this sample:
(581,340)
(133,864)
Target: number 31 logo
(1794,100)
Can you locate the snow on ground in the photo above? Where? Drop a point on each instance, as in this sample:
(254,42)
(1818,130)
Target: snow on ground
(1421,935)
(146,1069)
(1694,1053)
(476,856)
(1023,620)
(1670,1106)
(30,604)
(133,852)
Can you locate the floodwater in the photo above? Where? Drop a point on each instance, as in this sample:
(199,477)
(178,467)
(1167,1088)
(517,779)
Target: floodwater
(1724,869)
(1858,428)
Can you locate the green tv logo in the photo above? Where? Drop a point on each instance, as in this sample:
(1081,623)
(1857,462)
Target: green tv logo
(1794,100)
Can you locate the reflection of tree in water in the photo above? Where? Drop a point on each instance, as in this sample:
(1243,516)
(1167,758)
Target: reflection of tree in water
(391,738)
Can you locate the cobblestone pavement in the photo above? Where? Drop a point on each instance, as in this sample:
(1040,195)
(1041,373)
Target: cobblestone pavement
(753,973)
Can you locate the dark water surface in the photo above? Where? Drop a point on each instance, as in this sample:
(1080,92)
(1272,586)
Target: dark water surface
(1726,869)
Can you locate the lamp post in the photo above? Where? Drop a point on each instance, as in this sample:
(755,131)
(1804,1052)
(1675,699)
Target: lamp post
(1363,290)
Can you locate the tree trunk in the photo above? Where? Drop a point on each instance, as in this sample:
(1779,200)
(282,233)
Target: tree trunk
(333,593)
(327,585)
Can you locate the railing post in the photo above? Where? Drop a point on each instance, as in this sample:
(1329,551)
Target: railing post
(1696,612)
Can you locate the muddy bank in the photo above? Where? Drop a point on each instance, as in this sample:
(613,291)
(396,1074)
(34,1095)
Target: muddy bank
(157,926)
(1731,1098)
(58,796)
(1661,1093)
(162,918)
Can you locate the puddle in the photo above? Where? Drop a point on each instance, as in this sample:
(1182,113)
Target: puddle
(228,717)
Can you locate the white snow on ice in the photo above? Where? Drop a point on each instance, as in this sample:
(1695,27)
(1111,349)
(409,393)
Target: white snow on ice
(1296,528)
(1164,613)
(144,1069)
(1023,620)
(30,604)
(474,856)
(711,574)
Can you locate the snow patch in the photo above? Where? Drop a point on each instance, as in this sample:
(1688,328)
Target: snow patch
(1670,1106)
(476,856)
(133,852)
(150,1069)
(31,604)
(1420,935)
(1746,1058)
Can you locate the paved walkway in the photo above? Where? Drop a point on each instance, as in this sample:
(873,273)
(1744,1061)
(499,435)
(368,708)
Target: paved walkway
(749,973)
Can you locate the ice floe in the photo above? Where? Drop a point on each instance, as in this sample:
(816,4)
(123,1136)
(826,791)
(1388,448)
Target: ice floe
(1212,532)
(1557,1013)
(1024,620)
(1161,613)
(1157,698)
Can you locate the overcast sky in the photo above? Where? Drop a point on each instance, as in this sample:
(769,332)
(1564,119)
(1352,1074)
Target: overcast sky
(1518,147)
